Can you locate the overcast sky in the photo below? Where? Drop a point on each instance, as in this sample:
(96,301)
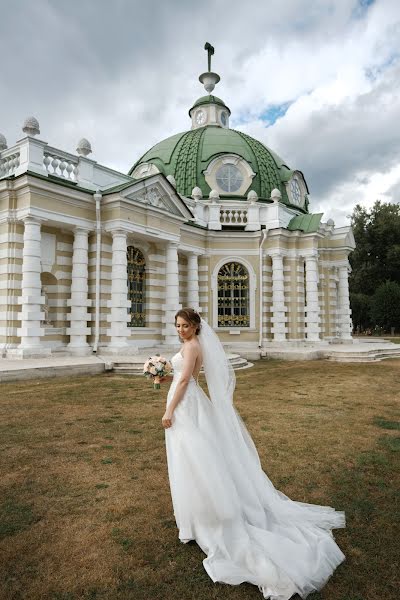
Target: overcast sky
(315,80)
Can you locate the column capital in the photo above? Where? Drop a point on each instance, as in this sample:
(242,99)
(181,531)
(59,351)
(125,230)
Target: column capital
(276,252)
(311,253)
(32,219)
(120,232)
(82,230)
(173,245)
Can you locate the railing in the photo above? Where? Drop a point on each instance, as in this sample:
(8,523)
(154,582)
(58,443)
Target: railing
(9,162)
(60,164)
(236,217)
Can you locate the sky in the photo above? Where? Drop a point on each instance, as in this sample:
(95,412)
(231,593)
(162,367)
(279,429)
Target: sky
(317,81)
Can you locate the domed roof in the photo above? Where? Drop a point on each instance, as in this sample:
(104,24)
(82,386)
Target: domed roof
(209,99)
(187,155)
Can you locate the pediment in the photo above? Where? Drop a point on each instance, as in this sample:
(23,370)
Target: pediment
(158,194)
(154,197)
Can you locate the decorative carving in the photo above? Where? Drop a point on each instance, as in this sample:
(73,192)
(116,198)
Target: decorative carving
(84,148)
(153,197)
(31,126)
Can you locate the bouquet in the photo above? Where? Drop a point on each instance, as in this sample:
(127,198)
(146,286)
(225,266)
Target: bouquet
(156,367)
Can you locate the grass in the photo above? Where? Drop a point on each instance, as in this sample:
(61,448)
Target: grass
(85,508)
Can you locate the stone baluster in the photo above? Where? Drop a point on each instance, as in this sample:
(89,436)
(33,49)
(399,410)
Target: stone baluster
(312,308)
(79,302)
(119,303)
(193,281)
(279,318)
(171,293)
(344,312)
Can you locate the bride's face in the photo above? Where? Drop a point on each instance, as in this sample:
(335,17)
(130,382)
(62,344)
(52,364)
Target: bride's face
(185,329)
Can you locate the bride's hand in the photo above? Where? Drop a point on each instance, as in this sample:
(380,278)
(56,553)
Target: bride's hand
(167,419)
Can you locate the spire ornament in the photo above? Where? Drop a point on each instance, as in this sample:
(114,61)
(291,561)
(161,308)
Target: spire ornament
(209,79)
(210,51)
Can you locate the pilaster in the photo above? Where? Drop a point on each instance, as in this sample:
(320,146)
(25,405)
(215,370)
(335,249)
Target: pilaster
(193,281)
(344,312)
(279,328)
(312,308)
(171,293)
(119,331)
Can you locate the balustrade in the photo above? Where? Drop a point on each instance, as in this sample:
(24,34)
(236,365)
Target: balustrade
(61,165)
(233,216)
(9,163)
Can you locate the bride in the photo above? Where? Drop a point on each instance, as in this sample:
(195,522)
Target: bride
(221,497)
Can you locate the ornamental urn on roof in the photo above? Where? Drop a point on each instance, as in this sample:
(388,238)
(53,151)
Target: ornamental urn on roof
(84,148)
(3,142)
(31,126)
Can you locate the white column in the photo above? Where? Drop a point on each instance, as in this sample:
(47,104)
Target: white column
(278,318)
(193,281)
(171,293)
(79,316)
(31,299)
(312,308)
(119,331)
(344,312)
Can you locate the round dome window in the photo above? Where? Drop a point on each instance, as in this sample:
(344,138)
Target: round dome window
(229,178)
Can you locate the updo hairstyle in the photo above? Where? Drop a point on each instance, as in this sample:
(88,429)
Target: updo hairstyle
(191,316)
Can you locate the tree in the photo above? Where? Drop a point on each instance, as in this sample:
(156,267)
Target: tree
(360,311)
(385,306)
(376,258)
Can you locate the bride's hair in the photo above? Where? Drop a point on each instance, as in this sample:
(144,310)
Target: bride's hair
(191,316)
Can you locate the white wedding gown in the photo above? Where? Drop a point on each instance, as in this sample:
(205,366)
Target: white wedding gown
(223,499)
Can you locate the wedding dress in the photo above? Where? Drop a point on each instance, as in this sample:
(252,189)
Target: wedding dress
(222,498)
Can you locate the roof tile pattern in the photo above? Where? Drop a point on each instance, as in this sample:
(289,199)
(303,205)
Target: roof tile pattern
(187,155)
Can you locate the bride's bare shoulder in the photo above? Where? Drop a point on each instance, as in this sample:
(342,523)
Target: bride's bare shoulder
(194,346)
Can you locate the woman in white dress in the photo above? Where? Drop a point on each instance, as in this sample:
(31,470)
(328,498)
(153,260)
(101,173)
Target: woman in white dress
(221,497)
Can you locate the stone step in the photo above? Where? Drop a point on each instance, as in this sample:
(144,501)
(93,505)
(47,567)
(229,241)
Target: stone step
(134,365)
(369,356)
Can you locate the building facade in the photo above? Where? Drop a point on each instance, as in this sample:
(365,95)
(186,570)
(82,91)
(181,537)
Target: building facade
(94,260)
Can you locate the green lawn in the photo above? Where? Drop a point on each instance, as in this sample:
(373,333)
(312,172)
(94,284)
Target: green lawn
(85,509)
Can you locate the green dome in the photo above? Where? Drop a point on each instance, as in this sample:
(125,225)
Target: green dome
(187,155)
(209,99)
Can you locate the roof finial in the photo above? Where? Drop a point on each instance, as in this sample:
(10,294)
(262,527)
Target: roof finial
(210,52)
(209,79)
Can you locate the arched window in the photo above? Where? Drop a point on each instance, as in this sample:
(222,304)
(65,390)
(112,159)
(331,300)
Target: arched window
(233,296)
(136,287)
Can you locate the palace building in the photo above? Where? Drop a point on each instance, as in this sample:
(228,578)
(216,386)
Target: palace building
(94,260)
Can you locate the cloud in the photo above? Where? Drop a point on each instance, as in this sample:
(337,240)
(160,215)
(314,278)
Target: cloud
(315,81)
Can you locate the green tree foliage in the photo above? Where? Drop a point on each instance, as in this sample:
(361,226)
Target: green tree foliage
(385,306)
(376,258)
(360,311)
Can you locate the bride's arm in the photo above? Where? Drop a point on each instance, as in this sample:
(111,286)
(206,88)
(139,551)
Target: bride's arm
(189,361)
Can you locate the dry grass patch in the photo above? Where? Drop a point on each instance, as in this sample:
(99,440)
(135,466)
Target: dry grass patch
(85,511)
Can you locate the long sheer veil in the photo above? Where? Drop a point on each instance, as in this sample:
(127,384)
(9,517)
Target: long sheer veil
(236,443)
(219,373)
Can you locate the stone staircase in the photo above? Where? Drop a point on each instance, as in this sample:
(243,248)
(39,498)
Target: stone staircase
(133,365)
(367,355)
